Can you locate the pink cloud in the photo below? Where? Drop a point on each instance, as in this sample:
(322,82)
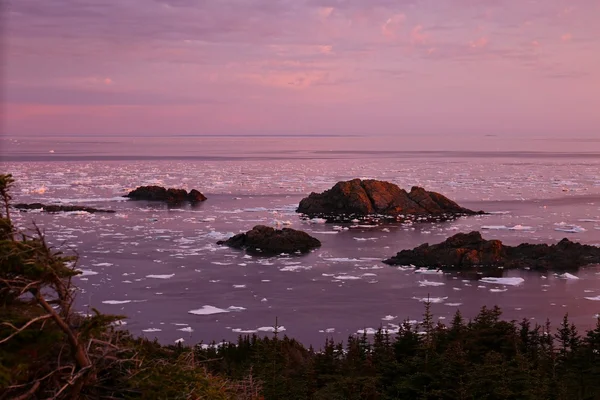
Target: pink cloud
(417,37)
(566,37)
(479,43)
(392,25)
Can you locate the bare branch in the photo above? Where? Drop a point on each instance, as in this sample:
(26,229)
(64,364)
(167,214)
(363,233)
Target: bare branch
(21,329)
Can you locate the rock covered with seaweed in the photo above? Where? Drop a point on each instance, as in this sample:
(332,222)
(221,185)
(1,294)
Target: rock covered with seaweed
(363,198)
(465,251)
(268,241)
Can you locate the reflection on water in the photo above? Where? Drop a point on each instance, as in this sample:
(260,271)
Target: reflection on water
(160,265)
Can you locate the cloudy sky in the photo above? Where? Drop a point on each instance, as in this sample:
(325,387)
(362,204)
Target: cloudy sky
(394,67)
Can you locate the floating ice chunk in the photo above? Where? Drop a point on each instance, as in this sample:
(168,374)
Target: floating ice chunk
(220,263)
(346,277)
(597,298)
(521,228)
(588,220)
(359,239)
(504,281)
(105,264)
(494,227)
(180,340)
(208,219)
(86,272)
(389,318)
(431,299)
(328,330)
(453,304)
(569,228)
(428,271)
(495,290)
(318,221)
(152,330)
(567,275)
(326,232)
(430,283)
(341,259)
(116,301)
(239,286)
(270,329)
(295,268)
(160,276)
(209,310)
(240,330)
(186,329)
(368,331)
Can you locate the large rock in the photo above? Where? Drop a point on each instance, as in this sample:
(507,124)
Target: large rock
(55,208)
(371,197)
(266,240)
(465,251)
(159,193)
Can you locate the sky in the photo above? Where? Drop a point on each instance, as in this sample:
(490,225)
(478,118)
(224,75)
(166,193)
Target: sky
(358,67)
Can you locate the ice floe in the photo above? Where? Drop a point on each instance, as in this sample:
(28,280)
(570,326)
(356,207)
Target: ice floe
(503,281)
(169,276)
(209,310)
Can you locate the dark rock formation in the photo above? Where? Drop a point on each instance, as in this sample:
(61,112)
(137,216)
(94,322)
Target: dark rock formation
(54,208)
(159,193)
(372,197)
(266,240)
(465,251)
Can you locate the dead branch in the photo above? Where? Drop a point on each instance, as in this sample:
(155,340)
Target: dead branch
(21,329)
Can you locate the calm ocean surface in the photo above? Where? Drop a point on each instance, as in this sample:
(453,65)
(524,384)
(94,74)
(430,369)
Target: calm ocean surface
(160,266)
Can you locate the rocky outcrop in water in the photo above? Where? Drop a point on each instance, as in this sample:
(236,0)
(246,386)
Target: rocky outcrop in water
(268,241)
(465,251)
(54,208)
(159,193)
(371,197)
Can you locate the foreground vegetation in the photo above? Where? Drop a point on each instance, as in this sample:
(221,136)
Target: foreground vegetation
(48,351)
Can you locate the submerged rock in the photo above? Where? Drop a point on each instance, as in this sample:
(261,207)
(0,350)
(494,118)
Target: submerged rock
(266,240)
(159,193)
(371,197)
(54,208)
(465,251)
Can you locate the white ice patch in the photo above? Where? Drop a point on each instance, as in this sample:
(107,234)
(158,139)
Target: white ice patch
(340,259)
(270,329)
(429,271)
(597,298)
(346,277)
(569,228)
(511,228)
(368,331)
(431,299)
(295,268)
(503,281)
(186,329)
(567,275)
(494,290)
(239,286)
(103,265)
(87,272)
(430,283)
(453,304)
(389,318)
(240,330)
(116,302)
(152,330)
(160,276)
(209,310)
